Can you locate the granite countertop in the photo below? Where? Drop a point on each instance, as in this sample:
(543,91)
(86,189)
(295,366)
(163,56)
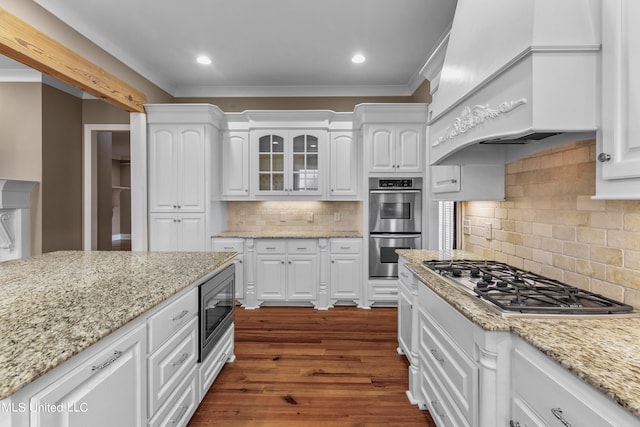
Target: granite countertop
(55,305)
(290,234)
(603,352)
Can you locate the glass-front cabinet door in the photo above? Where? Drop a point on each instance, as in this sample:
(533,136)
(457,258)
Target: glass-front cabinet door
(271,163)
(305,163)
(289,162)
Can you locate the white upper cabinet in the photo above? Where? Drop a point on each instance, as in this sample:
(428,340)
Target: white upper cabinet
(177,167)
(235,165)
(618,141)
(288,162)
(344,165)
(467,182)
(395,148)
(393,138)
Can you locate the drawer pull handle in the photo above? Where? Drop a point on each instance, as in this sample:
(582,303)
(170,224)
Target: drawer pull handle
(405,275)
(345,247)
(228,247)
(223,357)
(180,361)
(183,410)
(514,423)
(557,412)
(301,249)
(270,248)
(437,356)
(116,356)
(181,315)
(436,408)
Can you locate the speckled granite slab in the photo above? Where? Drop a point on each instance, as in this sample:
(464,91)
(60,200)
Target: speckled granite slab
(603,352)
(56,305)
(289,234)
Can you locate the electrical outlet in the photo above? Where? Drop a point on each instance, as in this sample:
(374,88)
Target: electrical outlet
(488,231)
(309,216)
(283,216)
(336,216)
(466,227)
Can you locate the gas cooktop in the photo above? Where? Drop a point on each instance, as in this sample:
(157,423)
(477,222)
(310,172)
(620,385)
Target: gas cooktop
(514,292)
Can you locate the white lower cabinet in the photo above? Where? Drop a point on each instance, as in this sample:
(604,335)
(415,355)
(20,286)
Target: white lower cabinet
(546,394)
(107,390)
(212,365)
(345,281)
(170,364)
(180,405)
(447,369)
(286,270)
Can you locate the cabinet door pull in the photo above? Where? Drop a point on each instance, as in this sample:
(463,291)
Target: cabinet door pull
(270,248)
(437,356)
(222,358)
(228,247)
(301,249)
(183,410)
(403,274)
(116,356)
(345,247)
(436,408)
(180,361)
(181,315)
(557,412)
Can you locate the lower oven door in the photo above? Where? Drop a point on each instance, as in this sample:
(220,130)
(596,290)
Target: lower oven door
(383,259)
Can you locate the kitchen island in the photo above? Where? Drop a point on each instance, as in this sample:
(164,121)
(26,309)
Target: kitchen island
(57,305)
(602,352)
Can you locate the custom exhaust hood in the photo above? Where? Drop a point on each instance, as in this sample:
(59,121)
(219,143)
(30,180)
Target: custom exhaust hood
(518,77)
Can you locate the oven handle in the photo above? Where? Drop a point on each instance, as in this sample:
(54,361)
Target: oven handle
(393,191)
(394,236)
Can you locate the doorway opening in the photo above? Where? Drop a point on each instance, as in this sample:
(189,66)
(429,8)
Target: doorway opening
(107,187)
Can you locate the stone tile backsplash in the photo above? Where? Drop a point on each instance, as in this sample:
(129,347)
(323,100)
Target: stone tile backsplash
(549,224)
(294,215)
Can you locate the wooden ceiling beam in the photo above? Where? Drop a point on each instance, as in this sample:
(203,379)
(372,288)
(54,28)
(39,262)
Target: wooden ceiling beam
(25,44)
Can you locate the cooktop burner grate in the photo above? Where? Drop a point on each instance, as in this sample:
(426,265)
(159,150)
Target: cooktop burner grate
(511,289)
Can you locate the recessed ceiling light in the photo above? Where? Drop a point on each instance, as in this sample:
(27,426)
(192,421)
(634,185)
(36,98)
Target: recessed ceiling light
(358,59)
(204,60)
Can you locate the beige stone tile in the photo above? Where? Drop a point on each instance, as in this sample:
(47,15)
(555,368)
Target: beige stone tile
(608,220)
(593,236)
(632,297)
(585,203)
(523,252)
(563,232)
(609,290)
(534,242)
(568,264)
(576,280)
(632,260)
(540,229)
(576,250)
(623,240)
(542,256)
(632,222)
(552,245)
(623,277)
(610,256)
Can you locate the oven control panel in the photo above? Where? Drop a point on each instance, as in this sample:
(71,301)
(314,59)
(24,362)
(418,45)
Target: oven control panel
(391,183)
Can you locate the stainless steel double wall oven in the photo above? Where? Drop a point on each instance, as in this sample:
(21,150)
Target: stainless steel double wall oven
(395,222)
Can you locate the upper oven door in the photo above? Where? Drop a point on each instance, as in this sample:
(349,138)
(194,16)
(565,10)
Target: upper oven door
(395,211)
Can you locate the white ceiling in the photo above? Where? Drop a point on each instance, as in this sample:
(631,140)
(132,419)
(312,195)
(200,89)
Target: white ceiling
(266,47)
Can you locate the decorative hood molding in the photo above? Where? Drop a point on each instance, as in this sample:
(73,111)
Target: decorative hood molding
(515,72)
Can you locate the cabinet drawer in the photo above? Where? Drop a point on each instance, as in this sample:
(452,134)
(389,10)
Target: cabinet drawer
(271,246)
(458,327)
(212,365)
(228,245)
(171,318)
(169,365)
(302,246)
(438,401)
(546,387)
(454,369)
(384,292)
(346,246)
(180,406)
(404,274)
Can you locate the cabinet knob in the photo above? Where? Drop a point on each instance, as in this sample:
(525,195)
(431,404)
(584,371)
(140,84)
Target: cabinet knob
(333,261)
(604,157)
(289,262)
(453,181)
(282,262)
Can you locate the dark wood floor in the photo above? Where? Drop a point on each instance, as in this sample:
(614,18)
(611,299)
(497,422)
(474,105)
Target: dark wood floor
(304,367)
(121,245)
